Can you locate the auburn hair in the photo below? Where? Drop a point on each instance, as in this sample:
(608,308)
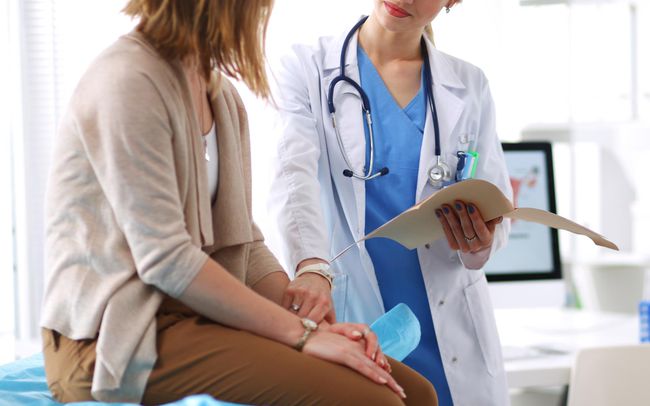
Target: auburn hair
(227,35)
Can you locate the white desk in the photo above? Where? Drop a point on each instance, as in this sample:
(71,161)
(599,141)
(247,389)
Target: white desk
(540,344)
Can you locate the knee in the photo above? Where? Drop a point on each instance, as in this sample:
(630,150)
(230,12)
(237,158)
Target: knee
(379,395)
(421,392)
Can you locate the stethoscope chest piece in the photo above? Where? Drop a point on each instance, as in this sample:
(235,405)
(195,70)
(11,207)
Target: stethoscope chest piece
(439,174)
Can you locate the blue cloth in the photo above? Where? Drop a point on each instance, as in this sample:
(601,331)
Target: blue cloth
(398,137)
(23,382)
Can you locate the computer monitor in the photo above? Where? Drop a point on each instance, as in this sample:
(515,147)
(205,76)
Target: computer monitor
(533,251)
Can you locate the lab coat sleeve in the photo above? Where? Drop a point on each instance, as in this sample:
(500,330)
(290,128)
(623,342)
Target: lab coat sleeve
(491,167)
(295,194)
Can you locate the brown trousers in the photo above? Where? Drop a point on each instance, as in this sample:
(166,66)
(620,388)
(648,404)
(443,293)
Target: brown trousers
(196,355)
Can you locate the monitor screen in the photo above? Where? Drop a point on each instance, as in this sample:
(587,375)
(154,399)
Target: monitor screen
(532,251)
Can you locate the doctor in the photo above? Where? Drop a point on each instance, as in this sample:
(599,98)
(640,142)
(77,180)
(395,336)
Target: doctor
(373,122)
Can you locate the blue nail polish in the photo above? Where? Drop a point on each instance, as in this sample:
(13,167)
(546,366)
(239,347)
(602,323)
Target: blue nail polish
(470,208)
(446,209)
(459,207)
(438,213)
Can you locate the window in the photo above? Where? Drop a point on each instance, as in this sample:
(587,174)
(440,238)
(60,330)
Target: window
(6,184)
(56,39)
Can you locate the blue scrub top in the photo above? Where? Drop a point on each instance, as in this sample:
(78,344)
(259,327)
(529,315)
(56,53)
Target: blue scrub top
(398,140)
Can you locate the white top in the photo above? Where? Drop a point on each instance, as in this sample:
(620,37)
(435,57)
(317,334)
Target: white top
(210,143)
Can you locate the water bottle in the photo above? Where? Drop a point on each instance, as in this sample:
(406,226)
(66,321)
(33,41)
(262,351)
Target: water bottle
(644,321)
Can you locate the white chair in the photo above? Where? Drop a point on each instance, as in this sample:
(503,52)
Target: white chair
(611,376)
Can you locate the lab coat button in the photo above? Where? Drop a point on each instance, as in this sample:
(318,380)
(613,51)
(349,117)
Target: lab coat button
(427,246)
(454,360)
(440,303)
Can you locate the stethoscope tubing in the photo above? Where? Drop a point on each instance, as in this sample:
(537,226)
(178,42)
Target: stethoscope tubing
(365,102)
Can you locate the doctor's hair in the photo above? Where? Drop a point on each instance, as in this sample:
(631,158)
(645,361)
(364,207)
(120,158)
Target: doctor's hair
(226,35)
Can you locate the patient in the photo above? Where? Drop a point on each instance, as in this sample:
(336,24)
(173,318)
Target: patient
(160,283)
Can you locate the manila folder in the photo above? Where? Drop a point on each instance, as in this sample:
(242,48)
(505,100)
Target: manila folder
(418,225)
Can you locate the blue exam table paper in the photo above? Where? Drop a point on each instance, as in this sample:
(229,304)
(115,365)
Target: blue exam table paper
(23,382)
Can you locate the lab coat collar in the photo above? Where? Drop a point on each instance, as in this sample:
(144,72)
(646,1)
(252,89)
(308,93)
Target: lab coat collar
(350,124)
(441,71)
(352,192)
(333,52)
(450,109)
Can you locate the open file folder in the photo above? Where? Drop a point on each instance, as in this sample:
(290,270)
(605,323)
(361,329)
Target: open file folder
(419,225)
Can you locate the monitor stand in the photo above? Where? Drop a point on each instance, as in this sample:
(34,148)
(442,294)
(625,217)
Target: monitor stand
(525,294)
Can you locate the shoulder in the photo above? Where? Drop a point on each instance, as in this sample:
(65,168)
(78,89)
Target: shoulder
(471,76)
(310,56)
(128,71)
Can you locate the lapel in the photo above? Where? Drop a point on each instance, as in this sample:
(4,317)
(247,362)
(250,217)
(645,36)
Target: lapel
(231,212)
(449,107)
(202,221)
(349,121)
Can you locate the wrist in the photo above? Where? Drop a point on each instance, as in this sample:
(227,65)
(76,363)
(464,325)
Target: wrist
(310,328)
(475,260)
(292,333)
(310,261)
(321,269)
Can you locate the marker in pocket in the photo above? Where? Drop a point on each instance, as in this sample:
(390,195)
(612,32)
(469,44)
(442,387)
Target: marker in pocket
(467,163)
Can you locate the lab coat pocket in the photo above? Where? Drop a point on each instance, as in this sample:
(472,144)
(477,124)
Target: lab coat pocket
(480,308)
(466,141)
(340,295)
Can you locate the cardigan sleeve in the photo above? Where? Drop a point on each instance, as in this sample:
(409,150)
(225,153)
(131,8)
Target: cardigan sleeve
(126,131)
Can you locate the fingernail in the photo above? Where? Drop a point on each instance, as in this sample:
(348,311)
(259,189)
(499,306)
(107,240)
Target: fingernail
(470,208)
(446,209)
(357,334)
(459,207)
(438,213)
(383,380)
(403,395)
(374,355)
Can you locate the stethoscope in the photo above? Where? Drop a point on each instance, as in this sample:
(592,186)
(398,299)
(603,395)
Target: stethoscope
(439,173)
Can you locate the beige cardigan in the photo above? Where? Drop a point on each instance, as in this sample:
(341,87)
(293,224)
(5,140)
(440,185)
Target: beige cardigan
(128,213)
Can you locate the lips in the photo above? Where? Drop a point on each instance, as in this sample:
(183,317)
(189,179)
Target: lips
(395,11)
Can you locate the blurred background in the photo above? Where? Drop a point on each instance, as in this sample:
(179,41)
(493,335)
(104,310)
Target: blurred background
(573,72)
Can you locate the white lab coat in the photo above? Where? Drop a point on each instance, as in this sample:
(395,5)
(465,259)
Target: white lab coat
(319,211)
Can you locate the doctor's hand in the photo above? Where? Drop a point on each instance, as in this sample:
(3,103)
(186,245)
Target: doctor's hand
(465,228)
(309,296)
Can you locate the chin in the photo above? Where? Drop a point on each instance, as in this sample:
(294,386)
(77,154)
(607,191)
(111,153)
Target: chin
(391,23)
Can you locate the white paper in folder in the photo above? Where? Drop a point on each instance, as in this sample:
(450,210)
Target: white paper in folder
(418,225)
